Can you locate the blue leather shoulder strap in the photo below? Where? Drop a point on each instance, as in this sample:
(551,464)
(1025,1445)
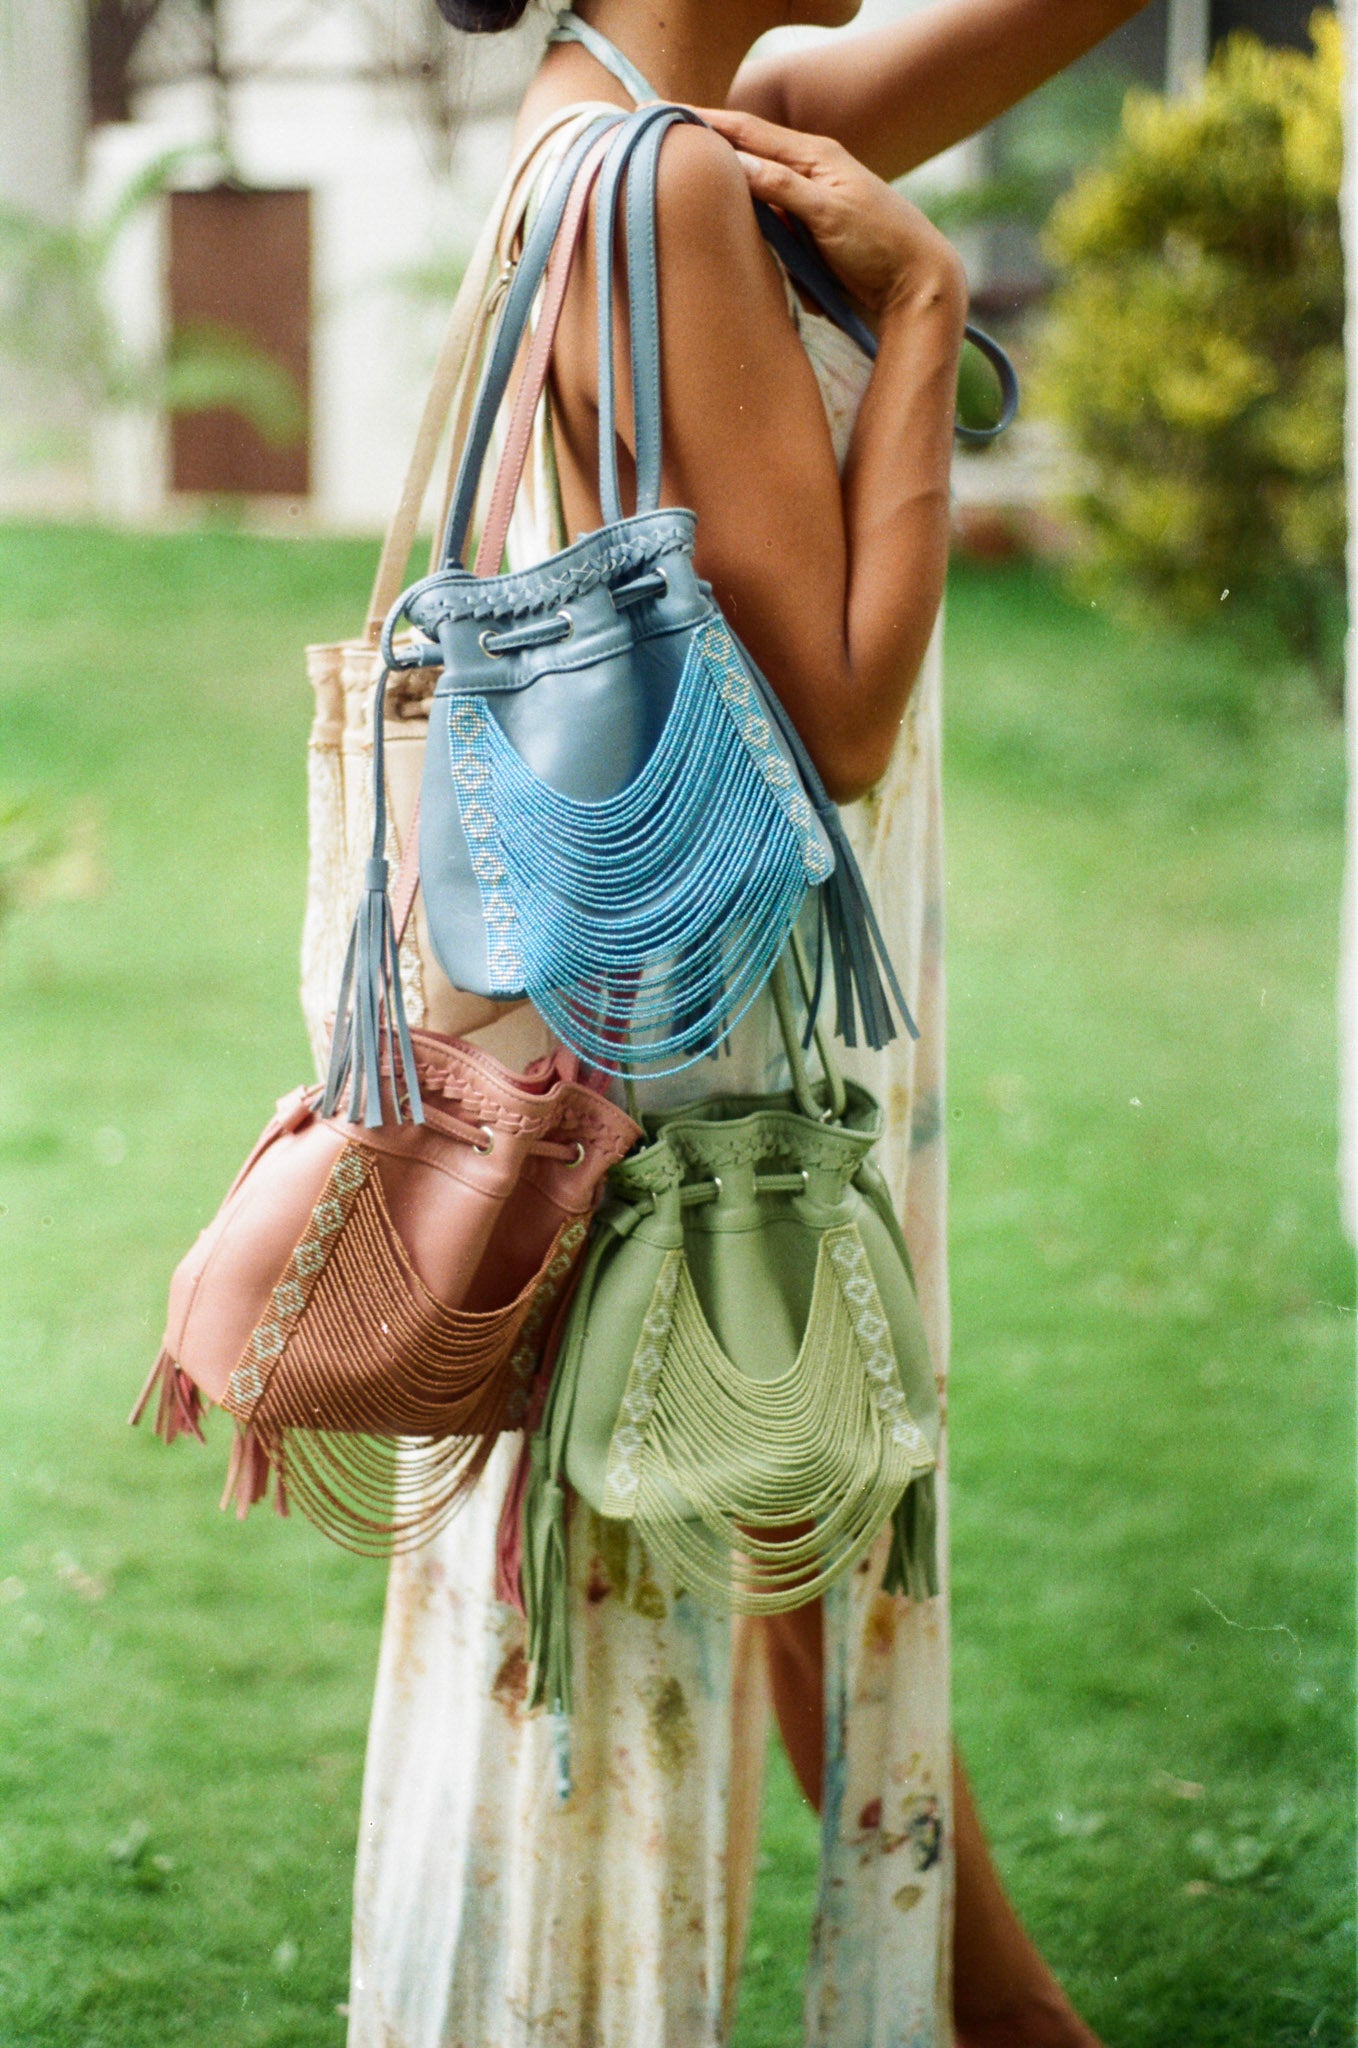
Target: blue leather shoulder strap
(509,332)
(635,154)
(793,245)
(805,265)
(573,28)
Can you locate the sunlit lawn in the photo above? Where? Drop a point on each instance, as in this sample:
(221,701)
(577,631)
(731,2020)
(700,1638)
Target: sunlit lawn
(1153,1345)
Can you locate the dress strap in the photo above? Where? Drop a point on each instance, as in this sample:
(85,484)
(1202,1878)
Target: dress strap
(570,28)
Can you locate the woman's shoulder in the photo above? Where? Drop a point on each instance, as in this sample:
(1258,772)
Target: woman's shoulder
(702,201)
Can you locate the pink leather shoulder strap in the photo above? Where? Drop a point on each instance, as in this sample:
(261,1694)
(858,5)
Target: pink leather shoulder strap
(490,552)
(408,877)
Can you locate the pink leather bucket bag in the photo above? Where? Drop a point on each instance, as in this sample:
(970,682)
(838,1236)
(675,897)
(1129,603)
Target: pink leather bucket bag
(371,1304)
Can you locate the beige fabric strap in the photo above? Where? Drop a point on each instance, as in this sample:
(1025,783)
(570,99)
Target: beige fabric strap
(470,311)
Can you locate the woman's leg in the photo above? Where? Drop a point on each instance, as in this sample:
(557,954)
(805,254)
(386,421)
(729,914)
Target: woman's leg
(1004,1996)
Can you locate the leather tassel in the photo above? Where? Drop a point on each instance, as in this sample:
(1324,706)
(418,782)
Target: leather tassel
(181,1406)
(179,1411)
(912,1566)
(509,1535)
(546,1596)
(858,953)
(371,1031)
(247,1475)
(370,1014)
(552,1666)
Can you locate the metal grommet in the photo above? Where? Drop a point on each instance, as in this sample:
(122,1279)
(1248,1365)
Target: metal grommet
(717,1182)
(806,1180)
(483,642)
(579,1158)
(489,1137)
(569,623)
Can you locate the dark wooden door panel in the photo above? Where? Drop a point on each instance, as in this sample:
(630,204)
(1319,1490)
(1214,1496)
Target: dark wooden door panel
(240,263)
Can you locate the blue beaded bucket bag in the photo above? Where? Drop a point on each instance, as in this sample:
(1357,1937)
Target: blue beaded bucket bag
(617,818)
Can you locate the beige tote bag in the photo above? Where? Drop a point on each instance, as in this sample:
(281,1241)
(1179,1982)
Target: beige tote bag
(344,675)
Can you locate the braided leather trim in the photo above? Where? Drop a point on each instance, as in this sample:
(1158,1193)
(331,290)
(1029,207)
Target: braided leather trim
(269,1338)
(567,1112)
(599,558)
(688,1148)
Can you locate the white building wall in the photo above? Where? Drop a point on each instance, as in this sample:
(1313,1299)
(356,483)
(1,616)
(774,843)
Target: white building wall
(382,205)
(42,104)
(42,116)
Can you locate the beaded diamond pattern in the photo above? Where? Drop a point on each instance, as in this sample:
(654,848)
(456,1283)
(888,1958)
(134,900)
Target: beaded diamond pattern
(471,775)
(737,693)
(873,1333)
(269,1338)
(623,1477)
(524,1356)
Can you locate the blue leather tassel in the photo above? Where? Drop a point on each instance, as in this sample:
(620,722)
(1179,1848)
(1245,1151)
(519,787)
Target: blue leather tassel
(858,953)
(371,1033)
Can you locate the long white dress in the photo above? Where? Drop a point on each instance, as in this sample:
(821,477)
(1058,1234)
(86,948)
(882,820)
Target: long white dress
(488,1914)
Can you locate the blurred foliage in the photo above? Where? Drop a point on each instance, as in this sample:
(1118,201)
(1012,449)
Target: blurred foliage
(1036,149)
(55,322)
(47,851)
(435,281)
(1193,349)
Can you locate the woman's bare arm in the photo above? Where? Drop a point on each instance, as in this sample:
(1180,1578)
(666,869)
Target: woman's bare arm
(897,96)
(833,584)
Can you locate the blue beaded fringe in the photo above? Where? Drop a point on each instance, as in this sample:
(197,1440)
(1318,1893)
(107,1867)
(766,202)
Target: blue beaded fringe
(643,926)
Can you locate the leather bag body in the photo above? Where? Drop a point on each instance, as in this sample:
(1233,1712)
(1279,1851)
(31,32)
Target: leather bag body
(370,1306)
(743,1374)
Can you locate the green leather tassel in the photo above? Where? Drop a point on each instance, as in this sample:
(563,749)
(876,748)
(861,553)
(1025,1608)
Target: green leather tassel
(912,1567)
(545,1595)
(545,1598)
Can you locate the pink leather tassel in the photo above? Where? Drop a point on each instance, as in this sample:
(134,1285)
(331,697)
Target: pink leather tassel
(181,1406)
(509,1535)
(179,1411)
(247,1476)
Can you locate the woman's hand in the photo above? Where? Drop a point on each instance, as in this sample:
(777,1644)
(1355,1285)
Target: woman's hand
(882,249)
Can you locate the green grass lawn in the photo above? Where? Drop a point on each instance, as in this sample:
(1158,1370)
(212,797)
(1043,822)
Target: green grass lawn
(1153,1348)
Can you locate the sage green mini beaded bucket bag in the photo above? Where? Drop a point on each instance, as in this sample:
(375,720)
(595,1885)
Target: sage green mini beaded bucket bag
(743,1373)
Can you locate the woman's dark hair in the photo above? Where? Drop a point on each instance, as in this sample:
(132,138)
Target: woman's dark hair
(482,17)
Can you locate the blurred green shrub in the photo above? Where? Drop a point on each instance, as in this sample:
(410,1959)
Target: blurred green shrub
(1193,348)
(48,851)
